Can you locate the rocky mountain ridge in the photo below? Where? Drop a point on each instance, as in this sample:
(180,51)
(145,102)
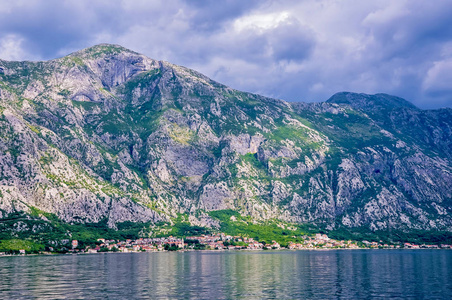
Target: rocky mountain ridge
(108,134)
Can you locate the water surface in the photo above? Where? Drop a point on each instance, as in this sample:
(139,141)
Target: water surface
(341,274)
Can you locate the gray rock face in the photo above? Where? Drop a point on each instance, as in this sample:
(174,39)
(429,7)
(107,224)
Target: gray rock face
(107,133)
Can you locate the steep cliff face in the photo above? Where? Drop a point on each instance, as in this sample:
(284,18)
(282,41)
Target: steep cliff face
(394,167)
(108,133)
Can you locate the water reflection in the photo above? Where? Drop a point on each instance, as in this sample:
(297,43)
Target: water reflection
(358,274)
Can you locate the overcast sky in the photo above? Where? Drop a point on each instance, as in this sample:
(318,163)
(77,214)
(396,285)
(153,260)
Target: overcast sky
(292,50)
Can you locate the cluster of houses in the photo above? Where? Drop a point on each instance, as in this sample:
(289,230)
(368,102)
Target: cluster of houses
(208,242)
(322,241)
(139,245)
(424,246)
(227,242)
(380,245)
(222,241)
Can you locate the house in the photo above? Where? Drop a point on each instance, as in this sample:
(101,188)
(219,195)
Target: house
(275,245)
(255,246)
(321,237)
(74,244)
(110,247)
(149,248)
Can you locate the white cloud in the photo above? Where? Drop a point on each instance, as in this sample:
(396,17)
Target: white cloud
(260,21)
(439,78)
(11,48)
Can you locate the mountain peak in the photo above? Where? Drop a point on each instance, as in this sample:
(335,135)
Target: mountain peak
(370,102)
(101,50)
(109,135)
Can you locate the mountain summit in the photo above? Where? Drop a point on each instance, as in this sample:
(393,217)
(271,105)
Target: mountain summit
(108,135)
(372,102)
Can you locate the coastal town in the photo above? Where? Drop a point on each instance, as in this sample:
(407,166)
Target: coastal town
(228,242)
(220,242)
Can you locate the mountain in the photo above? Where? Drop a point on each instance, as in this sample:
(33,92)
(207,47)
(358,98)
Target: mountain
(109,135)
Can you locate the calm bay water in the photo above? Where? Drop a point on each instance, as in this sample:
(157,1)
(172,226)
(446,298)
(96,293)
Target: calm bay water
(341,274)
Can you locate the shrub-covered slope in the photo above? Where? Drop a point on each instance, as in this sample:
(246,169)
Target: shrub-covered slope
(108,135)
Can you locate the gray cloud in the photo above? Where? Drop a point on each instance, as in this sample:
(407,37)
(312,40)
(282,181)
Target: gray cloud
(294,50)
(211,16)
(290,41)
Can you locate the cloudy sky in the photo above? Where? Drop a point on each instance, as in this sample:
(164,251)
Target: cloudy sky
(303,50)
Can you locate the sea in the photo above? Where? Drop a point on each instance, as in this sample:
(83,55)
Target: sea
(284,274)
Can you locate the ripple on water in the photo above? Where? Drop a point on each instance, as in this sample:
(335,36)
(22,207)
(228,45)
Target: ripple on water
(355,274)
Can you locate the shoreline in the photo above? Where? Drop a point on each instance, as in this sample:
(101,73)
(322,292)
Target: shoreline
(213,251)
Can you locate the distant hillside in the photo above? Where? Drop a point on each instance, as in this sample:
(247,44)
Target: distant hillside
(107,135)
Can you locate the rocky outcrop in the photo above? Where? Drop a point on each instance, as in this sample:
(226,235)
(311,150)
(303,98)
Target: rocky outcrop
(107,133)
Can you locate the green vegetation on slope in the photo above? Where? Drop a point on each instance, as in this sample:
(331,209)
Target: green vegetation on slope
(232,223)
(393,236)
(14,245)
(50,233)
